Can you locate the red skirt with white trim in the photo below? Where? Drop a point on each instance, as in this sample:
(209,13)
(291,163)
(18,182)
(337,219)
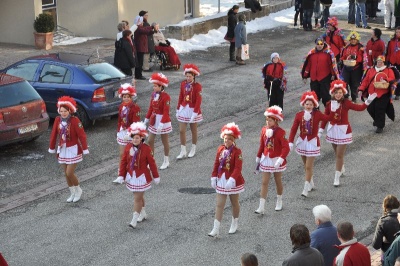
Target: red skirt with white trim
(221,182)
(308,148)
(68,155)
(137,184)
(336,134)
(267,165)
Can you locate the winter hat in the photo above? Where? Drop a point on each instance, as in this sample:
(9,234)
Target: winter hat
(338,84)
(273,55)
(275,112)
(309,95)
(68,102)
(160,79)
(138,20)
(381,58)
(138,128)
(192,68)
(231,129)
(142,13)
(353,35)
(319,39)
(126,88)
(333,22)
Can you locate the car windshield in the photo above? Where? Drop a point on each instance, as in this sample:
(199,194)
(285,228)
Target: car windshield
(102,72)
(17,93)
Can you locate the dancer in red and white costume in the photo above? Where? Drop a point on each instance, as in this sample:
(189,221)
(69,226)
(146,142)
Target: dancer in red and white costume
(71,144)
(308,142)
(128,113)
(339,131)
(135,171)
(158,114)
(271,156)
(227,178)
(188,109)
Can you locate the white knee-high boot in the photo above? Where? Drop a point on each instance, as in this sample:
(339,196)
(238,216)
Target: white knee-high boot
(165,164)
(192,151)
(71,197)
(261,207)
(278,206)
(183,152)
(336,182)
(215,230)
(234,225)
(78,193)
(142,216)
(133,223)
(306,189)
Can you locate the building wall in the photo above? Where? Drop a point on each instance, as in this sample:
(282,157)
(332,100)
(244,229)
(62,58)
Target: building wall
(16,20)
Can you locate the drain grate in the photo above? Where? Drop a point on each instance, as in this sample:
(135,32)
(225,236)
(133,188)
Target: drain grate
(197,190)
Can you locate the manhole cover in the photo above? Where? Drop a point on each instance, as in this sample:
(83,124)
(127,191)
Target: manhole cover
(197,190)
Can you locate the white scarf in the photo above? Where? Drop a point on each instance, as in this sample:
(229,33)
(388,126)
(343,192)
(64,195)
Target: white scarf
(378,69)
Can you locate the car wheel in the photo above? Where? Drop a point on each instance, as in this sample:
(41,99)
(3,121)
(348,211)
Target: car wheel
(81,114)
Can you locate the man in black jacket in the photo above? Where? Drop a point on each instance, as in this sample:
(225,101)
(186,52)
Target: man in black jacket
(254,5)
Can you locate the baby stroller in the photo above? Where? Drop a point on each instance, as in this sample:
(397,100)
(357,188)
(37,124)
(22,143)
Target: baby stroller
(161,59)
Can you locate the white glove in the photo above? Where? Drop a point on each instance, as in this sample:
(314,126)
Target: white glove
(371,97)
(214,182)
(279,162)
(291,146)
(156,180)
(334,106)
(85,151)
(258,159)
(119,180)
(146,121)
(193,117)
(320,131)
(177,113)
(230,184)
(160,127)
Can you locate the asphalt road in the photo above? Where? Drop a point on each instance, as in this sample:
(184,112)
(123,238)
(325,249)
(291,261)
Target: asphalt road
(94,231)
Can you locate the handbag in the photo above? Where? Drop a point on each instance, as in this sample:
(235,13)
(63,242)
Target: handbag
(245,52)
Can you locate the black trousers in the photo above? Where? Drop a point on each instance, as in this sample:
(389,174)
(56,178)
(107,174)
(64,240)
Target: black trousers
(321,88)
(127,71)
(377,110)
(275,96)
(397,91)
(353,78)
(139,67)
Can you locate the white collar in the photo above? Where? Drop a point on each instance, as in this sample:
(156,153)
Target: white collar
(380,68)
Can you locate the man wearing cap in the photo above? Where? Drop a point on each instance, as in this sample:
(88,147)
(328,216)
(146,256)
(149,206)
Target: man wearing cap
(381,105)
(393,55)
(354,51)
(320,66)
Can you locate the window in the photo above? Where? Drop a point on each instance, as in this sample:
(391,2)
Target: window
(55,74)
(188,7)
(25,70)
(17,93)
(103,72)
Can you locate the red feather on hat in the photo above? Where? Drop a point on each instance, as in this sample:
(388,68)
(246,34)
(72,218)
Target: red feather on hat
(126,88)
(231,129)
(67,101)
(338,84)
(160,79)
(191,68)
(274,111)
(309,95)
(138,128)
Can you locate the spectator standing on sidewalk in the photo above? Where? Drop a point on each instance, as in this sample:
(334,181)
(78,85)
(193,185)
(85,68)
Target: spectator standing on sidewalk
(388,225)
(274,74)
(361,13)
(150,41)
(298,8)
(125,53)
(308,8)
(390,19)
(351,252)
(240,38)
(393,55)
(375,47)
(303,254)
(372,6)
(324,238)
(317,14)
(326,4)
(141,42)
(351,15)
(230,34)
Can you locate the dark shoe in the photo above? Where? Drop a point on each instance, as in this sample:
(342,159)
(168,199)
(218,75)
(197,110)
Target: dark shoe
(141,78)
(232,59)
(358,26)
(351,22)
(379,130)
(378,10)
(367,27)
(148,70)
(396,98)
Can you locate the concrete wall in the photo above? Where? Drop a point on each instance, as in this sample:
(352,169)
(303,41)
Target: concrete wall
(16,21)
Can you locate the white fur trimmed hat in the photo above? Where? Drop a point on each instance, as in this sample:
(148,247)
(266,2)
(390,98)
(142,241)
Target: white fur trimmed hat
(137,128)
(67,102)
(231,129)
(191,68)
(338,84)
(273,55)
(309,95)
(127,88)
(274,111)
(160,79)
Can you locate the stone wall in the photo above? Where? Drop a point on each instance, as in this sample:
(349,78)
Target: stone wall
(185,32)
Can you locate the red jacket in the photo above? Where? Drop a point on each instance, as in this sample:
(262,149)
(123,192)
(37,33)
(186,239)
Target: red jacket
(159,107)
(232,166)
(377,47)
(192,97)
(75,134)
(144,158)
(319,64)
(393,52)
(353,50)
(274,70)
(316,118)
(335,41)
(133,116)
(140,38)
(277,146)
(341,115)
(352,253)
(368,82)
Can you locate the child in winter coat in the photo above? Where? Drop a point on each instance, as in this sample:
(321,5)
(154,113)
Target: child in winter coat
(273,73)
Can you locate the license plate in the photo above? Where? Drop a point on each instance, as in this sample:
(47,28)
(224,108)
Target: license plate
(116,94)
(30,128)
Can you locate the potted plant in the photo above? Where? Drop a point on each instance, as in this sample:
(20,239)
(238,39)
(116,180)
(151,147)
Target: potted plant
(44,26)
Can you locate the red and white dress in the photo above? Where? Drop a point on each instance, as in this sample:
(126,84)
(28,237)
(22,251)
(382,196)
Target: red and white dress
(189,102)
(228,163)
(159,113)
(308,143)
(133,167)
(127,114)
(271,148)
(72,139)
(339,130)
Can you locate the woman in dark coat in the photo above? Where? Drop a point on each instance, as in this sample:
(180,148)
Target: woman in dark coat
(230,35)
(125,53)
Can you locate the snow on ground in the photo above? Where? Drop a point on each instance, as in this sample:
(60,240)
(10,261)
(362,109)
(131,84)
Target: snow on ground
(215,37)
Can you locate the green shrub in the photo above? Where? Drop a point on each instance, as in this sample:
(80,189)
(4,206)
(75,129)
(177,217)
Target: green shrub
(44,23)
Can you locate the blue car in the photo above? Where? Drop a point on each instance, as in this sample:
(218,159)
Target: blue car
(94,86)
